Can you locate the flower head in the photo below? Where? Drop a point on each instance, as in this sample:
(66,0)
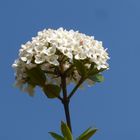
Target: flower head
(55,52)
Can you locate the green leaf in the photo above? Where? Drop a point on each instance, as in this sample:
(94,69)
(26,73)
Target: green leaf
(96,78)
(66,131)
(80,67)
(87,134)
(51,91)
(94,70)
(84,133)
(56,136)
(36,76)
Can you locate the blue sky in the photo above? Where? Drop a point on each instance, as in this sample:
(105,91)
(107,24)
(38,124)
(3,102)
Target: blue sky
(112,106)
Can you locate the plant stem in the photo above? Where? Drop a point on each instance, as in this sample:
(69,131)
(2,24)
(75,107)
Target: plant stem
(67,114)
(65,101)
(75,88)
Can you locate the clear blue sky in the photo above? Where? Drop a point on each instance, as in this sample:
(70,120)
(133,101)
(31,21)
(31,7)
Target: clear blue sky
(113,106)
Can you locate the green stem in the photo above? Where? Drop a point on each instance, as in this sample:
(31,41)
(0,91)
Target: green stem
(65,102)
(75,88)
(67,114)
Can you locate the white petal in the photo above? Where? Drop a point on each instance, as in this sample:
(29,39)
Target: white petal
(39,59)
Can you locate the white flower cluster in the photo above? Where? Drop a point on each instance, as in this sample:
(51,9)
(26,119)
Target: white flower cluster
(50,46)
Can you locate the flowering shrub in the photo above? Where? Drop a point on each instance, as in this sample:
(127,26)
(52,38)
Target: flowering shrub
(54,59)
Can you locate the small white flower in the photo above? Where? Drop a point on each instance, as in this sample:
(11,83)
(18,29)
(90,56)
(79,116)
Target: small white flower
(80,56)
(50,51)
(88,65)
(67,52)
(53,60)
(38,48)
(39,58)
(66,65)
(26,57)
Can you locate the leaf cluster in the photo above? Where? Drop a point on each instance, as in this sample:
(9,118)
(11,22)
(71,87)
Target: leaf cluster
(67,135)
